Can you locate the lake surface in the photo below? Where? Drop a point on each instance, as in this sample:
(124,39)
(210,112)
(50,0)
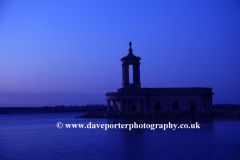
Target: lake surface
(35,136)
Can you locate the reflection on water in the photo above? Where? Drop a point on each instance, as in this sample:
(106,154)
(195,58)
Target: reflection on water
(179,120)
(35,136)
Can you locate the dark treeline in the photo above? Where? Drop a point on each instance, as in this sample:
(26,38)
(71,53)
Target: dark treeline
(77,108)
(50,109)
(226,106)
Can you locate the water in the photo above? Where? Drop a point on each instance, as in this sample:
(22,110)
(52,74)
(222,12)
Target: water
(35,136)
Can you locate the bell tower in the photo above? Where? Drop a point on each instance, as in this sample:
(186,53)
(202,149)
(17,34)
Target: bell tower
(131,59)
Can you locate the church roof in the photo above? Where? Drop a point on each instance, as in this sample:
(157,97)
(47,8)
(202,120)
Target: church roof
(130,55)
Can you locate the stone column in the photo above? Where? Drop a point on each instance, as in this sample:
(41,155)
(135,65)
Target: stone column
(140,106)
(139,83)
(170,105)
(167,105)
(187,102)
(118,106)
(125,75)
(183,104)
(135,74)
(145,105)
(114,106)
(108,105)
(201,104)
(120,103)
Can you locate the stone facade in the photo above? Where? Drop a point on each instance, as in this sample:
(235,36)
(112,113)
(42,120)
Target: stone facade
(131,97)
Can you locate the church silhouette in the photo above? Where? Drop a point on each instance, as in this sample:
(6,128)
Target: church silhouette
(131,97)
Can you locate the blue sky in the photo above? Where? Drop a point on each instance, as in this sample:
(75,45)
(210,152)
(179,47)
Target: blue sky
(68,52)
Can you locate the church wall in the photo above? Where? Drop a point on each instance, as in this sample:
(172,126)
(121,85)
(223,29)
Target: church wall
(165,102)
(207,100)
(183,102)
(135,103)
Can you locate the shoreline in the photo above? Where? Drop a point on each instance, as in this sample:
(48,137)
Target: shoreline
(158,114)
(26,110)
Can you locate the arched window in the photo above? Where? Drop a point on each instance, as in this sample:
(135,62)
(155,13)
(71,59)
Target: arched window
(175,106)
(133,108)
(158,107)
(193,106)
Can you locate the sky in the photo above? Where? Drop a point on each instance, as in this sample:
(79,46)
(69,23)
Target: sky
(62,52)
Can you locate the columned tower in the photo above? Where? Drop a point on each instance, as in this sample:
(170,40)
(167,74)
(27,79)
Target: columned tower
(131,59)
(131,97)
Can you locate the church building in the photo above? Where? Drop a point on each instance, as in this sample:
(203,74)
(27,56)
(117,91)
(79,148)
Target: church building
(131,97)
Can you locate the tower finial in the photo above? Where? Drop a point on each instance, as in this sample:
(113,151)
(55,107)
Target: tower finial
(130,49)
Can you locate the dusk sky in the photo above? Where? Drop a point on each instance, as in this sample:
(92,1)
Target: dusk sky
(61,52)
